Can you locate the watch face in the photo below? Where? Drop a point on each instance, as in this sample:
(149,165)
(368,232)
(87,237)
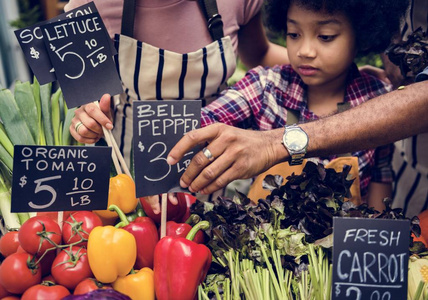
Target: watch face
(296,140)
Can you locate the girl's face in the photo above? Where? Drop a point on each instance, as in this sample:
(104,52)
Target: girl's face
(321,47)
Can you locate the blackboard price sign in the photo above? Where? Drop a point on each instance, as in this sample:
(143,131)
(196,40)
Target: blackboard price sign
(158,126)
(370,258)
(31,41)
(80,52)
(54,178)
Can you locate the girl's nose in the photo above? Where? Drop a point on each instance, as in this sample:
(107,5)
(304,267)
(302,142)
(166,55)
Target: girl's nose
(306,49)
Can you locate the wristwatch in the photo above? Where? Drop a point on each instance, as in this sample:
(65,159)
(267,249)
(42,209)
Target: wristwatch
(295,141)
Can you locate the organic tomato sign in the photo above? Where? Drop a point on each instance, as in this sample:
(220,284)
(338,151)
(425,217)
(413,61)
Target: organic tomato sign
(158,126)
(53,178)
(370,258)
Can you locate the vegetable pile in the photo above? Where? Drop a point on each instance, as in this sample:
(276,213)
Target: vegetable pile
(281,247)
(276,248)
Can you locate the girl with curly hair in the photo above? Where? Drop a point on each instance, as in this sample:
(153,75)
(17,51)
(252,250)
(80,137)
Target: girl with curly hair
(323,38)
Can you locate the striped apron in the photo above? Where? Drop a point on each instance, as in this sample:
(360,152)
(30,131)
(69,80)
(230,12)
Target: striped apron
(151,73)
(410,165)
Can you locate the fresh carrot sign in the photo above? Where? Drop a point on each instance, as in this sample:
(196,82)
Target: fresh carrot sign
(370,258)
(158,126)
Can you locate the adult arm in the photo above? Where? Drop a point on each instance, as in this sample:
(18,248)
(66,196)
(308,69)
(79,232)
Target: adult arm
(243,154)
(382,120)
(255,49)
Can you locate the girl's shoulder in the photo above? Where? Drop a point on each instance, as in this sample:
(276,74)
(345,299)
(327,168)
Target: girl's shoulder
(279,76)
(374,85)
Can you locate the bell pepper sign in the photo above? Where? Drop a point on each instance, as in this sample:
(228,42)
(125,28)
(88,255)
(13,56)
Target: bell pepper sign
(180,265)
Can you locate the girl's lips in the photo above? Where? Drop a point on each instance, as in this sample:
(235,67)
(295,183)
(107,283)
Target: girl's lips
(307,71)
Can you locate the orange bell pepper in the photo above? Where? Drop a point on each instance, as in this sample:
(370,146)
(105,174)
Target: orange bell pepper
(121,193)
(137,285)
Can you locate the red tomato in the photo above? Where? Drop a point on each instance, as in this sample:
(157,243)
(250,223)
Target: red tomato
(54,215)
(45,291)
(38,234)
(88,285)
(20,249)
(71,266)
(4,292)
(18,273)
(11,298)
(9,243)
(78,226)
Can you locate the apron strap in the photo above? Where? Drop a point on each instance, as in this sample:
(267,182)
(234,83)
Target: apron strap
(293,117)
(215,24)
(128,16)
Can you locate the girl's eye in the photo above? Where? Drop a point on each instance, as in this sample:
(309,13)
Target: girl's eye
(327,38)
(292,35)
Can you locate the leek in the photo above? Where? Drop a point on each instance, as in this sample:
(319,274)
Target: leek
(11,220)
(24,98)
(14,124)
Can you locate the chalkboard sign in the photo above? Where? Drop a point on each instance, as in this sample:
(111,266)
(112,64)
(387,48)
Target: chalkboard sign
(53,178)
(158,126)
(80,52)
(370,258)
(31,41)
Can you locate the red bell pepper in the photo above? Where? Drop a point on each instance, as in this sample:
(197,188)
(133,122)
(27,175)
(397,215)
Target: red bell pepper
(178,213)
(146,235)
(182,229)
(180,265)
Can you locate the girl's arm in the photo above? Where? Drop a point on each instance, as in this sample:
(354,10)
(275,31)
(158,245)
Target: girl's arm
(255,49)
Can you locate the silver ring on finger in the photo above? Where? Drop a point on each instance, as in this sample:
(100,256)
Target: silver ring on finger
(208,154)
(77,126)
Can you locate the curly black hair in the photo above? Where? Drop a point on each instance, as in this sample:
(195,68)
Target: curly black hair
(375,22)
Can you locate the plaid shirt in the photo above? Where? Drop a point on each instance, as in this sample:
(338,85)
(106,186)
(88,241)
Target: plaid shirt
(261,99)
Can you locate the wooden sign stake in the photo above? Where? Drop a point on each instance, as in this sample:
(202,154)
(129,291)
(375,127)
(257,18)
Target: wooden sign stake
(163,214)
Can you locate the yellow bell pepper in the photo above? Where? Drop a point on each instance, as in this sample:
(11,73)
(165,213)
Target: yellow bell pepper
(138,285)
(121,193)
(111,252)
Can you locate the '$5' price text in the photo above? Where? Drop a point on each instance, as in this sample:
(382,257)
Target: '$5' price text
(47,194)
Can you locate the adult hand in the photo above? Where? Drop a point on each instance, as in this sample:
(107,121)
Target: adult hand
(86,125)
(237,154)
